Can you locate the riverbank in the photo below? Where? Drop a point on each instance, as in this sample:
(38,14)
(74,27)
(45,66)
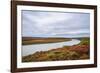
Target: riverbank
(32,48)
(75,52)
(33,40)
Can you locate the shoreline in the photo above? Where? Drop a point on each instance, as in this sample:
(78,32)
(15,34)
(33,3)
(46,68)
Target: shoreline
(43,40)
(30,49)
(75,52)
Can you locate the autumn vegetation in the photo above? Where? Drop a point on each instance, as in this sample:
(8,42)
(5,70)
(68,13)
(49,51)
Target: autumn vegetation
(75,52)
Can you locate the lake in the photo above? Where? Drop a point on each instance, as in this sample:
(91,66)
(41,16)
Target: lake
(30,49)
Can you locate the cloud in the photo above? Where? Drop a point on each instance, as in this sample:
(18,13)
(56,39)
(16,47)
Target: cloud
(55,24)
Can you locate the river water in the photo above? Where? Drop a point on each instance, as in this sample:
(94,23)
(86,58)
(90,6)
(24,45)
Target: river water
(30,49)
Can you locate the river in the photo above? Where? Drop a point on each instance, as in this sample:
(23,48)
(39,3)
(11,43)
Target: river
(30,49)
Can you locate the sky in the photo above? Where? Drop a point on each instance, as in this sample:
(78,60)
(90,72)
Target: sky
(55,24)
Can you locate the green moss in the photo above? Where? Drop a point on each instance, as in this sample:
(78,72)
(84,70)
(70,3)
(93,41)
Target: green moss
(85,41)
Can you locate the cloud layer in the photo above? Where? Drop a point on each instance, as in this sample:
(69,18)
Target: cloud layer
(55,24)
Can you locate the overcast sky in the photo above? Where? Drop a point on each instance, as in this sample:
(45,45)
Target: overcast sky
(55,24)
